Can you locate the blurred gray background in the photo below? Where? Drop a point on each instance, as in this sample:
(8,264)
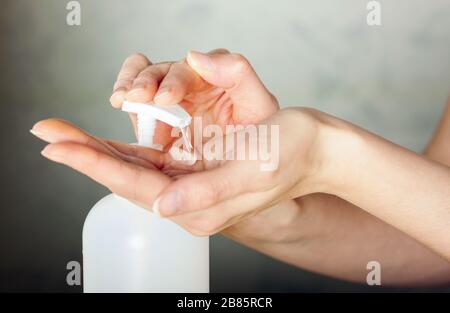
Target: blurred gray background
(393,80)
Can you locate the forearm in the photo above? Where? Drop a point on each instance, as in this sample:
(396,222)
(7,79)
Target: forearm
(327,235)
(439,147)
(398,186)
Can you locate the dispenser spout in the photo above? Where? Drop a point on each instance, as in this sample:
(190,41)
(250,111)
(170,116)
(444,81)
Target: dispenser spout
(148,114)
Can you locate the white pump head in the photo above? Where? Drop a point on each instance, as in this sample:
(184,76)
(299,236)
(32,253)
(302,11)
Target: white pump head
(147,114)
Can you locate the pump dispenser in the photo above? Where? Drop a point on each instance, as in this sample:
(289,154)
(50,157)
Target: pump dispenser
(174,115)
(129,249)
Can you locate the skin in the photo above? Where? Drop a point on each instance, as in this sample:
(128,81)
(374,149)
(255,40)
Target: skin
(216,91)
(328,235)
(282,213)
(439,148)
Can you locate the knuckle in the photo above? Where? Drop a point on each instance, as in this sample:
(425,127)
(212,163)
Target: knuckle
(137,57)
(205,226)
(145,79)
(182,64)
(219,51)
(122,83)
(212,193)
(241,64)
(274,98)
(180,73)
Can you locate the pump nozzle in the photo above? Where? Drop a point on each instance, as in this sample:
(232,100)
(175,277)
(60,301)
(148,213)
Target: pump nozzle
(147,114)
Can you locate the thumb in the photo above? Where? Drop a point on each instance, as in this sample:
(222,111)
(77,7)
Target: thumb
(201,190)
(234,73)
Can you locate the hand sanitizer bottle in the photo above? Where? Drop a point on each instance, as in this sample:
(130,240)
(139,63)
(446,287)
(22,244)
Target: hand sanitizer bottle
(129,249)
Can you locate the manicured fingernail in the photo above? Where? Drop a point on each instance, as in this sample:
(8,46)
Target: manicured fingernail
(162,96)
(38,133)
(44,135)
(169,204)
(49,153)
(200,60)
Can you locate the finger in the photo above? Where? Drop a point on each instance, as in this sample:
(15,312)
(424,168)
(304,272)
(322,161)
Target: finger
(154,156)
(180,80)
(175,85)
(131,67)
(219,51)
(219,217)
(146,83)
(202,190)
(143,90)
(125,179)
(232,72)
(56,130)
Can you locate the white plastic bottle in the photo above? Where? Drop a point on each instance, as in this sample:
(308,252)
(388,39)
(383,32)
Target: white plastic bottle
(129,249)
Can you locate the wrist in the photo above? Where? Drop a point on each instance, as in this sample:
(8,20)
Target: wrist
(341,153)
(335,152)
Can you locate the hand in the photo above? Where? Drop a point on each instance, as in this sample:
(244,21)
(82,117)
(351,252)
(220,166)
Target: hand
(233,190)
(211,200)
(220,87)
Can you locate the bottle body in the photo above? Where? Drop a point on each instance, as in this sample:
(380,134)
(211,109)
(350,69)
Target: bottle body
(128,249)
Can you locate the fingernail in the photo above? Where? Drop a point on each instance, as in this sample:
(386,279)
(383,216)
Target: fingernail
(44,135)
(155,208)
(139,85)
(200,60)
(38,133)
(49,153)
(136,92)
(117,98)
(169,204)
(162,96)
